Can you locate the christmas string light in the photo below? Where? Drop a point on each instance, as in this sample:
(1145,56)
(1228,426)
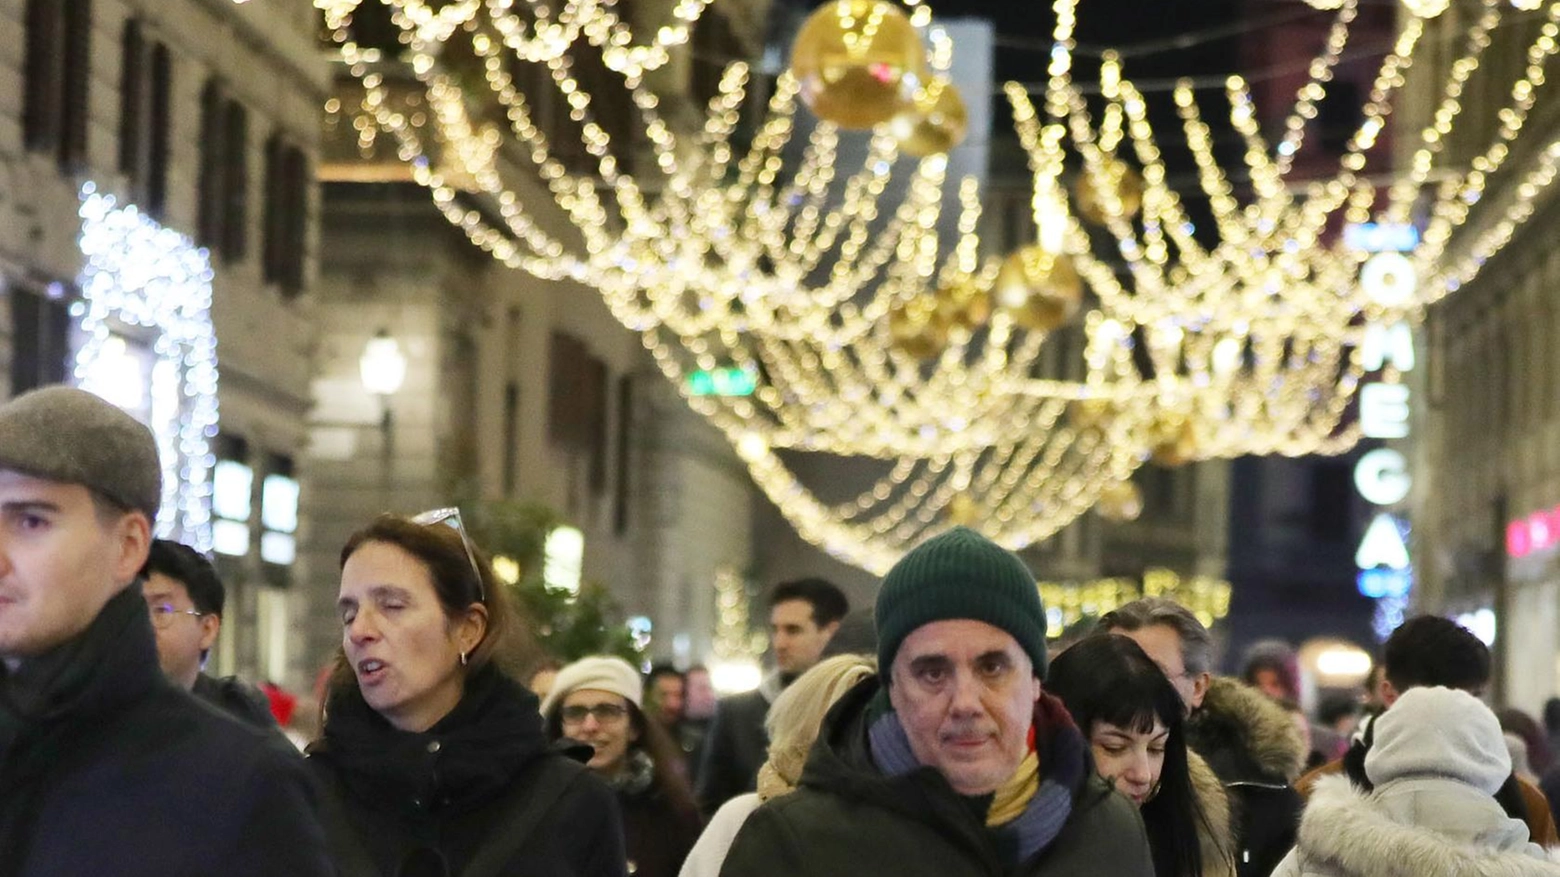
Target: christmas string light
(143,280)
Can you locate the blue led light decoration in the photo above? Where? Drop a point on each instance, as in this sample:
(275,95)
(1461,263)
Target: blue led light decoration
(143,283)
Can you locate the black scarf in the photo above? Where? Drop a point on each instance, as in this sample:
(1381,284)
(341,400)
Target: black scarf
(50,701)
(494,731)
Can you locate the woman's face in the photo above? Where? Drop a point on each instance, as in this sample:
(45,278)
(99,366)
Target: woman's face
(403,649)
(1131,759)
(603,720)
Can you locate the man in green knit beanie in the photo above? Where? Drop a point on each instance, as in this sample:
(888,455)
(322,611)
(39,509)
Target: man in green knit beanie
(952,759)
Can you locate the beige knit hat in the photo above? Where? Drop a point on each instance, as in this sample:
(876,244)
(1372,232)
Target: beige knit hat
(598,673)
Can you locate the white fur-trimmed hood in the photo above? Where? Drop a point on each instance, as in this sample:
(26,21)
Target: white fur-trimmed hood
(1346,832)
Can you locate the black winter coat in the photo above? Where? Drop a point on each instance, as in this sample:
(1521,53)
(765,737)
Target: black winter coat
(107,768)
(848,818)
(481,786)
(734,749)
(659,834)
(1256,751)
(236,698)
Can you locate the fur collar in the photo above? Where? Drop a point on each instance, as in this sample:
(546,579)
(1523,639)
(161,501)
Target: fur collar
(1239,730)
(1214,839)
(1345,831)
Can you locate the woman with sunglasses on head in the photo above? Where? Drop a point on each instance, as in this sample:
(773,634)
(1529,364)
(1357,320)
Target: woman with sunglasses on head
(596,701)
(1134,721)
(433,757)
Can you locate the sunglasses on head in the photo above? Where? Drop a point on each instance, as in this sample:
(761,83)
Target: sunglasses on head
(451,517)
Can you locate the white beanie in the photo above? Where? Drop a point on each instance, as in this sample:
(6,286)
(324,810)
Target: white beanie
(597,673)
(1439,732)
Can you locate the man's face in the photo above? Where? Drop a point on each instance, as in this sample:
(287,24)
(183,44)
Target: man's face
(59,563)
(669,698)
(965,693)
(1163,646)
(699,703)
(797,638)
(181,636)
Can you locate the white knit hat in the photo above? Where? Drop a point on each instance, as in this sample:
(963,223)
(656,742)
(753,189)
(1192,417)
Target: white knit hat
(1442,732)
(597,673)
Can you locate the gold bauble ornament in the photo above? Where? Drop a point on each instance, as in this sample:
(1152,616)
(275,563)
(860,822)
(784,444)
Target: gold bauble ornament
(858,62)
(1176,440)
(935,123)
(1129,192)
(1089,413)
(963,305)
(963,511)
(1120,502)
(918,328)
(1039,289)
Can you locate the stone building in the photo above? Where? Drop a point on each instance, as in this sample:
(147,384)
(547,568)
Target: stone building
(203,116)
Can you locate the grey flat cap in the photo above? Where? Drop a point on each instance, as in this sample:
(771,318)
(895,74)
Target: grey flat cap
(71,436)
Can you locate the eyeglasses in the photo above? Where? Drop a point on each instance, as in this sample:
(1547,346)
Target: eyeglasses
(605,713)
(163,613)
(451,516)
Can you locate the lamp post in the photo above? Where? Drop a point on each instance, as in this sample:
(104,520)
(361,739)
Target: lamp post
(382,368)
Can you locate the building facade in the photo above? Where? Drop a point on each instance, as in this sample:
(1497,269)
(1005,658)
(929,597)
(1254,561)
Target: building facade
(1487,463)
(202,116)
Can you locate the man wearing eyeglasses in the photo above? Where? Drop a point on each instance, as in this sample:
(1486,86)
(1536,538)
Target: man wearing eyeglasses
(185,599)
(106,766)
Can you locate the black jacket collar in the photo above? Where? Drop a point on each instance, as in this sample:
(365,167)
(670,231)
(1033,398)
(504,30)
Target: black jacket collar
(111,664)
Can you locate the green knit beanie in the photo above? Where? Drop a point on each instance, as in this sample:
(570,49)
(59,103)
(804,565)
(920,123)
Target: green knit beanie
(960,574)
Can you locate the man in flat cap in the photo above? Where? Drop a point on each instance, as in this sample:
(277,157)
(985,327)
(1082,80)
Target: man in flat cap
(952,760)
(106,767)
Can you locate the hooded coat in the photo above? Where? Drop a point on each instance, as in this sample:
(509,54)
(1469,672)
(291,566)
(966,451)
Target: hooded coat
(1431,812)
(482,789)
(1256,751)
(850,817)
(107,767)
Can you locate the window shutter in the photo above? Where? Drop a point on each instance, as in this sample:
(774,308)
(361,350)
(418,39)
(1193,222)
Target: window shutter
(235,222)
(161,120)
(77,73)
(270,223)
(209,196)
(41,101)
(132,92)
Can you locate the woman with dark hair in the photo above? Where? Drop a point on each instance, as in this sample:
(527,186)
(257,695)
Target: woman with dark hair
(1134,721)
(433,757)
(597,701)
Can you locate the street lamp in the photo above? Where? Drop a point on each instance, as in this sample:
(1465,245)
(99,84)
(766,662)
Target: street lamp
(382,368)
(382,365)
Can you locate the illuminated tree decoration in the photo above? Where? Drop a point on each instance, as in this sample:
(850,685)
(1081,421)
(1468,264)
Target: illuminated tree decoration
(145,284)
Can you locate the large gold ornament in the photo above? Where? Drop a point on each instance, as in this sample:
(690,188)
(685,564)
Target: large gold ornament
(858,62)
(1129,192)
(1039,289)
(1120,502)
(935,123)
(919,328)
(1175,437)
(964,305)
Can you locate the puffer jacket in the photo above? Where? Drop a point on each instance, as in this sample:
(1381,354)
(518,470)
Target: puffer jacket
(849,817)
(1256,751)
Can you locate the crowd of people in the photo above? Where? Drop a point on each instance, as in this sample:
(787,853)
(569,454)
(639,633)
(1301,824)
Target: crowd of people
(940,734)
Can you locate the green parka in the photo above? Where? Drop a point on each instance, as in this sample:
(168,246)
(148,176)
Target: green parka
(848,818)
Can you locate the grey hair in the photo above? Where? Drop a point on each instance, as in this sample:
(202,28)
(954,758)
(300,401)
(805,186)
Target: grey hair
(1196,642)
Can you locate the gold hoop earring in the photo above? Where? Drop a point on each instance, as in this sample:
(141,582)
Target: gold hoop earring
(463,659)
